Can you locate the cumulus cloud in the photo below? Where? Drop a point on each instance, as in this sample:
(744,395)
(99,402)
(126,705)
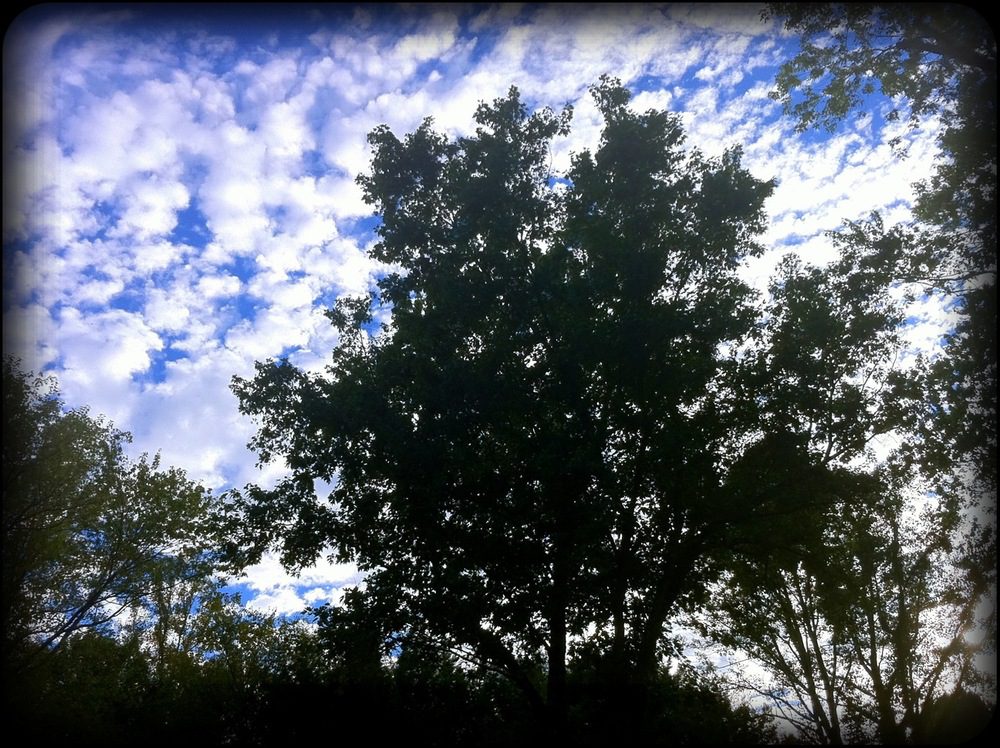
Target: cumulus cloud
(283,593)
(28,334)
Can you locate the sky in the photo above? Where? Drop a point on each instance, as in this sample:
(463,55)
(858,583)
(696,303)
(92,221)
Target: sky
(180,197)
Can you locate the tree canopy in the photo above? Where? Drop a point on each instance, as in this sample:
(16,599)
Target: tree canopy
(563,406)
(927,63)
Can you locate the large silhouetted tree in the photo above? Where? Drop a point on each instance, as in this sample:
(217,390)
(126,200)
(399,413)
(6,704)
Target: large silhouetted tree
(573,402)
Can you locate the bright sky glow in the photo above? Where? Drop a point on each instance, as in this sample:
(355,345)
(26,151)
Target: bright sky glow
(179,182)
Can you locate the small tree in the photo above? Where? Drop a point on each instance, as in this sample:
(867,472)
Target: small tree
(863,631)
(87,534)
(922,61)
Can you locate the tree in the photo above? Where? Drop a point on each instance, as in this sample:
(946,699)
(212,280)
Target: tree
(926,60)
(87,533)
(574,406)
(939,62)
(115,623)
(864,631)
(92,690)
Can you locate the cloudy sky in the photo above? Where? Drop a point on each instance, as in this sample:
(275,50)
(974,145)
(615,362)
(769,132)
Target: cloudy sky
(180,201)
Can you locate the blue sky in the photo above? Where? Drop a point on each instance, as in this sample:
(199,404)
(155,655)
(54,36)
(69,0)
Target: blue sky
(180,199)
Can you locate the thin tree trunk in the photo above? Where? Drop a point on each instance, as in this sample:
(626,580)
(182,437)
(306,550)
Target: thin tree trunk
(556,696)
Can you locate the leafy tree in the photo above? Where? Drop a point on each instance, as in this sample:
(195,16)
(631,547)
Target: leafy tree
(88,535)
(863,631)
(938,62)
(91,691)
(926,60)
(115,623)
(575,406)
(48,458)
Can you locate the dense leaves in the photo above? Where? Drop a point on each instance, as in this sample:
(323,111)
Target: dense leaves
(577,406)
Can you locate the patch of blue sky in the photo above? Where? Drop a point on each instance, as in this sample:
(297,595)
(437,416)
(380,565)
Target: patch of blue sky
(247,113)
(57,363)
(246,592)
(159,360)
(384,19)
(105,214)
(427,77)
(293,353)
(792,239)
(362,228)
(327,299)
(314,164)
(373,327)
(194,168)
(276,214)
(242,589)
(245,306)
(242,266)
(226,312)
(131,298)
(190,227)
(647,83)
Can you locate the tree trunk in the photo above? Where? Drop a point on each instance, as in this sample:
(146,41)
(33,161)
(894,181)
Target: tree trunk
(556,696)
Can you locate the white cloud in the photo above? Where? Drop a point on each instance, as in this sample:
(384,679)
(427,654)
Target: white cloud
(283,601)
(278,591)
(929,318)
(215,286)
(28,334)
(98,292)
(151,209)
(284,129)
(192,418)
(168,309)
(270,82)
(98,355)
(433,40)
(112,345)
(656,100)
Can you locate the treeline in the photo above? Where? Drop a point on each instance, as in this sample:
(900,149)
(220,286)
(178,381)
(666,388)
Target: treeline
(116,628)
